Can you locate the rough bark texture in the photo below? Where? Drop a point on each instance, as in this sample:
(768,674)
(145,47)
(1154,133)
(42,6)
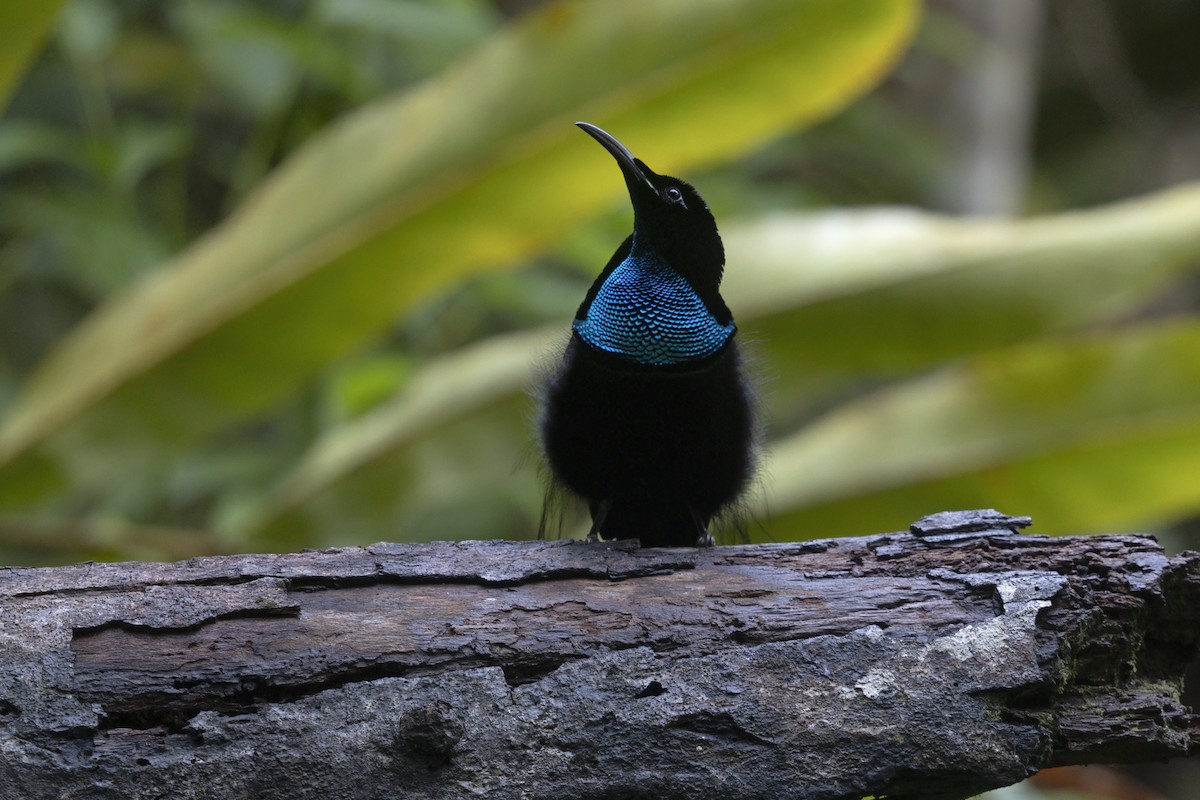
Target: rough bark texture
(933,663)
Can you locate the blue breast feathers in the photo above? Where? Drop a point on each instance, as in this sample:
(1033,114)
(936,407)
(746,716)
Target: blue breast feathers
(649,313)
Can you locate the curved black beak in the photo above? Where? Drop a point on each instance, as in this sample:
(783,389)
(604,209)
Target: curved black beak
(635,171)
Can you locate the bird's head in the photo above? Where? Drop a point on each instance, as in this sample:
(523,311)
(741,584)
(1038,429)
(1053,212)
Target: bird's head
(669,216)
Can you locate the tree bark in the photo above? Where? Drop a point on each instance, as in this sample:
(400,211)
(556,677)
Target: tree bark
(935,663)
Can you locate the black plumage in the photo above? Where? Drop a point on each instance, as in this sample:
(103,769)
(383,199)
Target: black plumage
(649,417)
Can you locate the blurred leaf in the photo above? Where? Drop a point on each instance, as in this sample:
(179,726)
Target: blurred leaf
(450,389)
(363,384)
(152,63)
(123,160)
(143,147)
(1095,432)
(891,290)
(471,170)
(40,474)
(23,26)
(98,243)
(426,35)
(409,19)
(233,41)
(40,541)
(472,477)
(88,30)
(24,144)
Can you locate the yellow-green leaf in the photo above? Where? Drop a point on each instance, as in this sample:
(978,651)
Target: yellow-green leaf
(890,290)
(459,385)
(1094,432)
(23,26)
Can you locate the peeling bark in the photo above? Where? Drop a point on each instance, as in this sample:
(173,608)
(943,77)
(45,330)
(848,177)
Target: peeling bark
(935,663)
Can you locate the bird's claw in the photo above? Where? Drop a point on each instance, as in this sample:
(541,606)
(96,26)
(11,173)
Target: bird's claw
(599,514)
(703,537)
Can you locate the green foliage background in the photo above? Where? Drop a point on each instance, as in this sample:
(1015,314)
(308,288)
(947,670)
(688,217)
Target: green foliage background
(282,274)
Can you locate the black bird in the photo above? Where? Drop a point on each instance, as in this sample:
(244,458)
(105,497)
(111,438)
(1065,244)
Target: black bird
(649,418)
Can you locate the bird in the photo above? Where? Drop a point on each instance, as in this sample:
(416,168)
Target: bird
(649,415)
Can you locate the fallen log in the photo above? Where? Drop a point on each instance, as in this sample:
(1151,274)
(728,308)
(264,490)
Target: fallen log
(936,663)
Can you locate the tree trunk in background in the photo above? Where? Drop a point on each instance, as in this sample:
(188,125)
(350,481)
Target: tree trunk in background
(991,106)
(934,663)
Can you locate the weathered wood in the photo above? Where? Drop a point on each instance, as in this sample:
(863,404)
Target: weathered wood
(934,664)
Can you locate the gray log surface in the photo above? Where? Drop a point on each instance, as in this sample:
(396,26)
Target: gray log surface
(935,663)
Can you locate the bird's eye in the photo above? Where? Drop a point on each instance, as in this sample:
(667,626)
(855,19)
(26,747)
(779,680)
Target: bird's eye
(674,195)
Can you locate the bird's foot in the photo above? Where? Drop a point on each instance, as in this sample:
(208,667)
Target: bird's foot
(599,514)
(703,537)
